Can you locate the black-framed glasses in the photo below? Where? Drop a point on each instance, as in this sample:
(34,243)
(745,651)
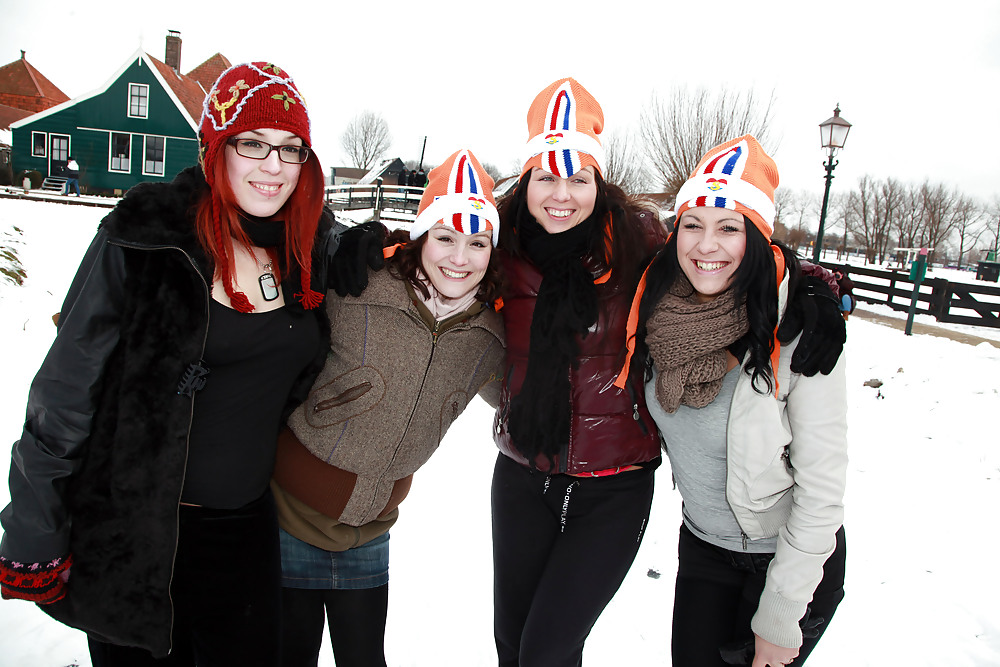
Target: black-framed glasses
(255,149)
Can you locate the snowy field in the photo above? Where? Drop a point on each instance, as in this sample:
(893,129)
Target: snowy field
(924,483)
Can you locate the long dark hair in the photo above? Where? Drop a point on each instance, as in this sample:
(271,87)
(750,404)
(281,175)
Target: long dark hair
(624,244)
(755,285)
(405,263)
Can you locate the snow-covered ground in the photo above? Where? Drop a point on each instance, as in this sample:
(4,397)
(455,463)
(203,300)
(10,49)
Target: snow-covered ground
(923,489)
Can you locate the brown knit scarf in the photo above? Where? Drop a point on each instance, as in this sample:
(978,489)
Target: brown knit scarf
(688,342)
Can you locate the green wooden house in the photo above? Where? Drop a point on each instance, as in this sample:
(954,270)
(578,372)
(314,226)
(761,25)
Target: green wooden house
(142,125)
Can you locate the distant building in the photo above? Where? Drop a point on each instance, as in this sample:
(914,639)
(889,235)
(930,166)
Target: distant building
(25,88)
(346,175)
(141,125)
(387,169)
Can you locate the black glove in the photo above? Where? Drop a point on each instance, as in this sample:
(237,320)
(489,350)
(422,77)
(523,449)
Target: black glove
(815,313)
(360,248)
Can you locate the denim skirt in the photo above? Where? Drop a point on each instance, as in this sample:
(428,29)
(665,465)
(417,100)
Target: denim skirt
(306,566)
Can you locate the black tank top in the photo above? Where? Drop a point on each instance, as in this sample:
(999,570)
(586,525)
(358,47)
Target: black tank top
(253,361)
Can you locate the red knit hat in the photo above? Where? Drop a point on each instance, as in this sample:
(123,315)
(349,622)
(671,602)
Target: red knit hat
(251,96)
(564,124)
(459,194)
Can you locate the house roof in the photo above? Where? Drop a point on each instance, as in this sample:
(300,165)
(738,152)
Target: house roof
(209,71)
(187,89)
(21,78)
(9,115)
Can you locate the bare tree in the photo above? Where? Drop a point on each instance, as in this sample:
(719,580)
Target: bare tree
(366,139)
(623,165)
(939,207)
(873,207)
(493,171)
(679,129)
(794,214)
(969,226)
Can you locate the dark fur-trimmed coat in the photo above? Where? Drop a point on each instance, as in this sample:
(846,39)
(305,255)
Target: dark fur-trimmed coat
(99,468)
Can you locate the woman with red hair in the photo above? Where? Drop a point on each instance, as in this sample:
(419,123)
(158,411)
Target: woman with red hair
(140,510)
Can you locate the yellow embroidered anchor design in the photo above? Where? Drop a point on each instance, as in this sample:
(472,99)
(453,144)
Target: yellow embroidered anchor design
(221,107)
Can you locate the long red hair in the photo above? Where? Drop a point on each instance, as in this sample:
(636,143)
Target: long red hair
(218,227)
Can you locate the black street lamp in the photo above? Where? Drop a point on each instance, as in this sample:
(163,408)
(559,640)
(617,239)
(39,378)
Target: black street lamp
(833,134)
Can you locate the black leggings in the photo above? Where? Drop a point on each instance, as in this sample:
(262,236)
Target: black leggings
(717,594)
(561,547)
(356,619)
(226,592)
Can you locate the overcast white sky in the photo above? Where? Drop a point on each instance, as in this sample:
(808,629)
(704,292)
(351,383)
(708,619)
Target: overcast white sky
(920,85)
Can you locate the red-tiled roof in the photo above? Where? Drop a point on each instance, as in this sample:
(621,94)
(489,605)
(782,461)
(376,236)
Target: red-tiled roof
(210,70)
(187,90)
(9,115)
(23,86)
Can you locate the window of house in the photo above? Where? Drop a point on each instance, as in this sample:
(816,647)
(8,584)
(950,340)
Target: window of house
(38,144)
(59,148)
(121,151)
(153,162)
(138,100)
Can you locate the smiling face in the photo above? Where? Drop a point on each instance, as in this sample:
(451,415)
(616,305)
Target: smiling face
(558,204)
(262,186)
(711,243)
(454,262)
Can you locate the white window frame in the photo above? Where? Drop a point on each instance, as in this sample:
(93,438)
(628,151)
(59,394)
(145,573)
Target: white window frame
(111,156)
(45,145)
(128,102)
(163,162)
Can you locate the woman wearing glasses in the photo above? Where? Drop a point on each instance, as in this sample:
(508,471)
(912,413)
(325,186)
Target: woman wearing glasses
(140,510)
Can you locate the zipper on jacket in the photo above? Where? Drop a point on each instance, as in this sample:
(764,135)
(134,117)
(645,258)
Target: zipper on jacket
(508,378)
(430,360)
(187,442)
(635,408)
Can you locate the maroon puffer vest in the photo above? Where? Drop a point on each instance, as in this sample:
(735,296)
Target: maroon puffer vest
(609,427)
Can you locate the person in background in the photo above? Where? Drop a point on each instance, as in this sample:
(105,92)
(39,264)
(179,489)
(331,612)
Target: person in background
(573,482)
(846,287)
(757,449)
(140,506)
(406,358)
(72,176)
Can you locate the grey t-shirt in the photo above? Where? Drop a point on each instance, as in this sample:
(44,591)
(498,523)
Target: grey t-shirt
(695,440)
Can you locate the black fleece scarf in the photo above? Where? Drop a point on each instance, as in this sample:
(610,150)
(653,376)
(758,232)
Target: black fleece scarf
(270,234)
(263,232)
(566,306)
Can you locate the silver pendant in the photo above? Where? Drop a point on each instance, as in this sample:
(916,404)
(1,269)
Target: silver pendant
(268,287)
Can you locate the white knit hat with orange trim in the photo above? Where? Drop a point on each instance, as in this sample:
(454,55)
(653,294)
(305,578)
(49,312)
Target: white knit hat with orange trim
(737,175)
(459,194)
(564,124)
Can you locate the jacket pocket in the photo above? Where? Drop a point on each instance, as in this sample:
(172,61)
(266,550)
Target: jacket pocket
(344,397)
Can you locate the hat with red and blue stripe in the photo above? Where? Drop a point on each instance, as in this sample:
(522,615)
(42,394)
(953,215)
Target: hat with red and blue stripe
(564,124)
(737,175)
(459,194)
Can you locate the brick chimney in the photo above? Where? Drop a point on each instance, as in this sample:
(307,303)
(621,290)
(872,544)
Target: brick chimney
(173,53)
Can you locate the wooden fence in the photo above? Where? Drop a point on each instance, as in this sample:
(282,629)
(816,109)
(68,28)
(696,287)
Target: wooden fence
(391,202)
(950,302)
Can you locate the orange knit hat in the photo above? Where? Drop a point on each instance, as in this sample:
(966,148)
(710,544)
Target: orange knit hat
(737,175)
(459,194)
(564,124)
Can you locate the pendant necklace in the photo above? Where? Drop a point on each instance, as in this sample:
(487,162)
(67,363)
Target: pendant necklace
(268,286)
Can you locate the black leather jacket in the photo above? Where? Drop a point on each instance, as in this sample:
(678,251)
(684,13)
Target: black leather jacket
(99,468)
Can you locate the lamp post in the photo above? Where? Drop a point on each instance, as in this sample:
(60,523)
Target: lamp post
(833,134)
